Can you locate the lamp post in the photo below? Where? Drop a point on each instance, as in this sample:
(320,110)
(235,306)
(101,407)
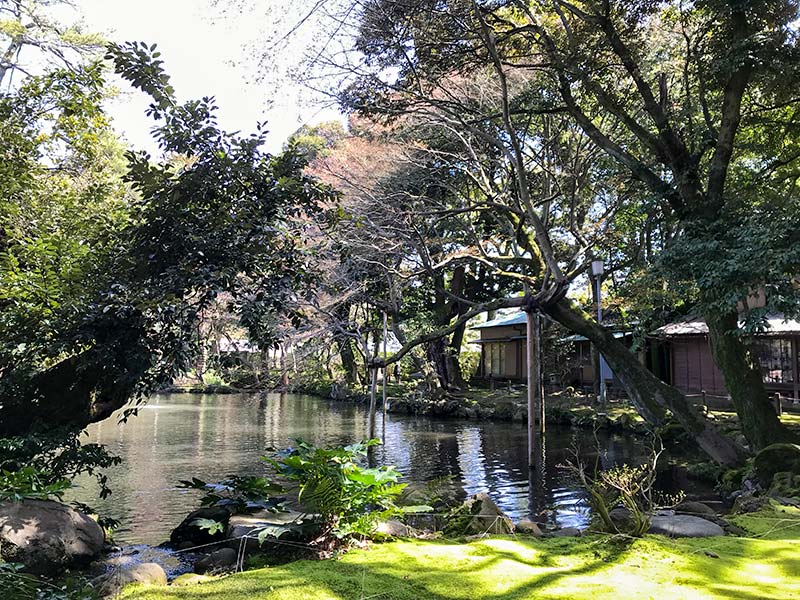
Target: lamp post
(598,268)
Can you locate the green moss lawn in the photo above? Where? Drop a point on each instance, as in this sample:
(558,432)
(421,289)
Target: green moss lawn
(766,565)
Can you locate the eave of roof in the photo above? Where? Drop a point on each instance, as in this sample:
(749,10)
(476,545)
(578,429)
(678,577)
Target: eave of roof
(777,324)
(519,318)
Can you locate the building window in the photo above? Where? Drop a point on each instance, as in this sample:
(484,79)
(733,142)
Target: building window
(775,357)
(495,360)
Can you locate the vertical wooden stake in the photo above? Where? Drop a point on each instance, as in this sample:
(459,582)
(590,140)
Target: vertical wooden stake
(533,385)
(373,385)
(385,368)
(539,372)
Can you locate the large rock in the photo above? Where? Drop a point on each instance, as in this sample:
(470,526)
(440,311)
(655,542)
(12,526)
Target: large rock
(189,534)
(621,518)
(219,560)
(528,526)
(111,585)
(394,528)
(478,515)
(47,536)
(775,459)
(674,525)
(691,507)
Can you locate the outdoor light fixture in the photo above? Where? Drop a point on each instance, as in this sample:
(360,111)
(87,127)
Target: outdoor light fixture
(597,268)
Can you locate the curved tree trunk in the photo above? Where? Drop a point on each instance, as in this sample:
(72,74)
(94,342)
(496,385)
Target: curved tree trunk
(651,396)
(744,381)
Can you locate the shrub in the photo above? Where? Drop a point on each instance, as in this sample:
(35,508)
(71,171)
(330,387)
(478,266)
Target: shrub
(351,498)
(30,483)
(56,456)
(631,487)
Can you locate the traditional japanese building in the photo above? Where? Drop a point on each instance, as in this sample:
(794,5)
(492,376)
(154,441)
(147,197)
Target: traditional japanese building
(678,353)
(692,370)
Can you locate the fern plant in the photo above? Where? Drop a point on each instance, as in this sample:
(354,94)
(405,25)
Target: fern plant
(350,498)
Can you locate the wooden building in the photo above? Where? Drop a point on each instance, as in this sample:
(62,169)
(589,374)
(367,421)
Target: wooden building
(504,353)
(692,370)
(678,353)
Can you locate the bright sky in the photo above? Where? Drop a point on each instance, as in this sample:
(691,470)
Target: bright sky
(205,56)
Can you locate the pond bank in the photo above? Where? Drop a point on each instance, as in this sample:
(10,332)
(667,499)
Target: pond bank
(763,564)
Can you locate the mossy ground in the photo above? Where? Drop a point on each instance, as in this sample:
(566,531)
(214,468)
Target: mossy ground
(510,568)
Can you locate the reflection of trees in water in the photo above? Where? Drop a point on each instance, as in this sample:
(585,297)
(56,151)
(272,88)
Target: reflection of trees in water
(179,436)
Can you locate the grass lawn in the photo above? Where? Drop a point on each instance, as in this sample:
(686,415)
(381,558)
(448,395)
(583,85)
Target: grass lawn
(764,566)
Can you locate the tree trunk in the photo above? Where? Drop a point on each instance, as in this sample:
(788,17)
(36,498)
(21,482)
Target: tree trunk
(744,381)
(284,370)
(445,362)
(419,363)
(650,395)
(348,359)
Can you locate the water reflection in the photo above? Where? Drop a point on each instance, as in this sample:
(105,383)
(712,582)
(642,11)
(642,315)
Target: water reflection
(180,436)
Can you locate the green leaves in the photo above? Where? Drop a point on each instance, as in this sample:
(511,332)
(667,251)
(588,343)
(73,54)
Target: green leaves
(276,531)
(140,64)
(30,483)
(331,481)
(239,494)
(209,525)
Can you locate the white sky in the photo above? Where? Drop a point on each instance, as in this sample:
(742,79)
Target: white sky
(205,56)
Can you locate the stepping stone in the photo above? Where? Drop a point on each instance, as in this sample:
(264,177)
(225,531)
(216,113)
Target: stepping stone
(684,526)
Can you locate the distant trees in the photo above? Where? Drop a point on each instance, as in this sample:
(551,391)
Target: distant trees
(29,25)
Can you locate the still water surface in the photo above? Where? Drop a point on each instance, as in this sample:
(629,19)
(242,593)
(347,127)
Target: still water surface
(179,436)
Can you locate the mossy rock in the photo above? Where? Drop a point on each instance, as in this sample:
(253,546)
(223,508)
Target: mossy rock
(785,484)
(191,579)
(731,479)
(776,458)
(476,516)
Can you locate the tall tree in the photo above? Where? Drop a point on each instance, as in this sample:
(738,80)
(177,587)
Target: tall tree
(508,109)
(216,215)
(30,33)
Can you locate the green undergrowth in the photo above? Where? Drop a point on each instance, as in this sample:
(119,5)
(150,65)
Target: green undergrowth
(510,568)
(774,522)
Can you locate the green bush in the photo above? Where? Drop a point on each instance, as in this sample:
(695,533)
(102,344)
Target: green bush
(352,499)
(30,483)
(55,456)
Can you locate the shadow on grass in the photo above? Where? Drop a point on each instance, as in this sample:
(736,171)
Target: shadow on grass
(514,569)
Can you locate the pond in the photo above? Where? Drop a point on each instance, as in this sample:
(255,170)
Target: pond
(179,436)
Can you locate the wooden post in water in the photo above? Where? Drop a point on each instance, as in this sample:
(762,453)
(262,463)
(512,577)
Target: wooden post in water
(373,385)
(540,374)
(534,383)
(385,367)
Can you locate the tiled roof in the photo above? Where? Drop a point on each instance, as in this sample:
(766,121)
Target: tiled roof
(519,318)
(777,324)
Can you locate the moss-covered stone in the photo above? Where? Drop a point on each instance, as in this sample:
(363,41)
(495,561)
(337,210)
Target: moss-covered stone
(785,484)
(477,515)
(775,459)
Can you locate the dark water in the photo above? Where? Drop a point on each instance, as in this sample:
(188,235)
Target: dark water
(179,436)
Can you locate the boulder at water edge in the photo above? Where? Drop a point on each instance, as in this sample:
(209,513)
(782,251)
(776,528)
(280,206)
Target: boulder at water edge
(190,533)
(478,515)
(675,525)
(47,536)
(111,585)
